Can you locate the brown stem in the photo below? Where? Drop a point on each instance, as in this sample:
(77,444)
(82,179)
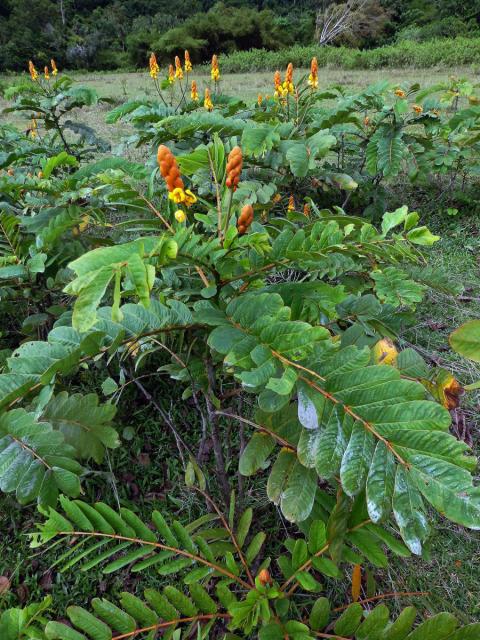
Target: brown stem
(230,533)
(383,596)
(159,545)
(259,427)
(163,625)
(216,441)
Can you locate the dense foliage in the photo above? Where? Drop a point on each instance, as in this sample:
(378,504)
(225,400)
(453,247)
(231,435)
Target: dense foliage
(109,34)
(225,262)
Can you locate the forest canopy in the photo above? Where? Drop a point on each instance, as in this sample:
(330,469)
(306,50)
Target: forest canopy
(110,34)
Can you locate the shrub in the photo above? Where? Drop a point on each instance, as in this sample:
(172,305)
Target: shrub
(440,52)
(275,317)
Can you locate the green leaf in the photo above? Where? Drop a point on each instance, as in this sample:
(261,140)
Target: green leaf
(422,236)
(62,159)
(380,483)
(85,621)
(409,512)
(320,614)
(356,459)
(256,454)
(439,627)
(85,424)
(466,340)
(35,461)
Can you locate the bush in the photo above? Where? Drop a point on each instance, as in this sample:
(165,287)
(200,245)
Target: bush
(442,52)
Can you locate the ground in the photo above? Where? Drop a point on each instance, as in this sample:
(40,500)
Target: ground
(146,479)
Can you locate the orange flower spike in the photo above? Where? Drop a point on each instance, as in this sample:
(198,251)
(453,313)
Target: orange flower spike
(54,67)
(188,62)
(400,93)
(234,168)
(46,73)
(418,109)
(259,100)
(288,84)
(194,91)
(178,69)
(32,70)
(154,68)
(207,103)
(245,219)
(307,210)
(291,203)
(313,77)
(171,74)
(169,169)
(215,72)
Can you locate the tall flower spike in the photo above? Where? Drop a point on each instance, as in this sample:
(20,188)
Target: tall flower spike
(54,67)
(194,91)
(215,73)
(277,81)
(188,63)
(178,69)
(234,168)
(171,74)
(32,70)
(313,77)
(291,203)
(288,84)
(46,73)
(169,170)
(207,103)
(154,68)
(245,219)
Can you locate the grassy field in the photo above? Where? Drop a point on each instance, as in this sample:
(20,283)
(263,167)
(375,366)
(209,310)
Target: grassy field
(451,572)
(128,86)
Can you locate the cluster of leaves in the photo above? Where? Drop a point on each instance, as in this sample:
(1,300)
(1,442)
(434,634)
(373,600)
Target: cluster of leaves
(298,312)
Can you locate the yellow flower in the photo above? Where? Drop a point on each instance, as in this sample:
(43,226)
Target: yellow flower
(190,198)
(171,74)
(46,72)
(194,91)
(215,73)
(418,109)
(259,100)
(32,70)
(180,215)
(188,63)
(177,195)
(178,69)
(207,103)
(400,93)
(154,68)
(291,203)
(54,67)
(313,77)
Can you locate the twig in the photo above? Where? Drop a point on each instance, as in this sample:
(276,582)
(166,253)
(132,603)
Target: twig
(383,596)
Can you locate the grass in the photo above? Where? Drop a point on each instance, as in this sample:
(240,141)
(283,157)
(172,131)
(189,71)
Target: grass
(146,478)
